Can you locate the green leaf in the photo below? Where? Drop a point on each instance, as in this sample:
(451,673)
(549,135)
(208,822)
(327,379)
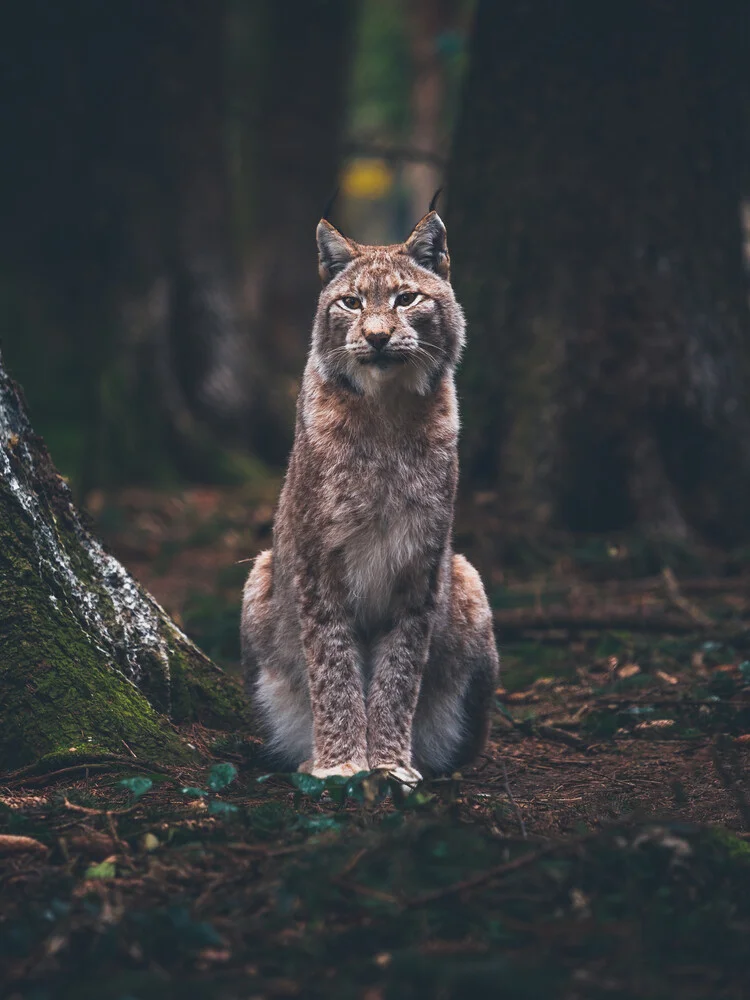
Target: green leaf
(219,808)
(104,870)
(336,786)
(195,793)
(307,784)
(221,776)
(355,788)
(137,786)
(418,798)
(317,824)
(150,842)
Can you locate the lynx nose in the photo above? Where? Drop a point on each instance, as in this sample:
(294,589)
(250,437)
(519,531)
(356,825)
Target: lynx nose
(377,340)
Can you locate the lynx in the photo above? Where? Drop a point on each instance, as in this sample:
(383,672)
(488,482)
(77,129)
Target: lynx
(366,642)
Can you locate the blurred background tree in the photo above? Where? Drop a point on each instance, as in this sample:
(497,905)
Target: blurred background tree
(168,162)
(600,166)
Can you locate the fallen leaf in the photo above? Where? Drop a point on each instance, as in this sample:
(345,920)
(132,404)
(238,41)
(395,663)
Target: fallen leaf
(628,670)
(667,678)
(215,954)
(520,697)
(655,724)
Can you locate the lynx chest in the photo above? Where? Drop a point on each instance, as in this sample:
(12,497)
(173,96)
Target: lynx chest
(387,515)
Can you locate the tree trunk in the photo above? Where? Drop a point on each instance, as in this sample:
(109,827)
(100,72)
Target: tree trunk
(176,289)
(293,121)
(89,662)
(171,161)
(428,19)
(599,168)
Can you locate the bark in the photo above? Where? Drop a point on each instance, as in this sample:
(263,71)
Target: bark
(118,218)
(595,190)
(171,162)
(292,133)
(427,20)
(176,300)
(89,662)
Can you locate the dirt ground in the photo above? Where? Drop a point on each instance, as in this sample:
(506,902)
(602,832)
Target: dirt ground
(598,848)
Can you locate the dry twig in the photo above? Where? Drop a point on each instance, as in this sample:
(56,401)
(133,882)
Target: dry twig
(680,601)
(514,804)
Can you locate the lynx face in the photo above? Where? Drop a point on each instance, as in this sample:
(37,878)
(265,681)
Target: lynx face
(387,315)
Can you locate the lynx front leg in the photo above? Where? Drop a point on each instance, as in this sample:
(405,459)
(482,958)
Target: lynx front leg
(334,671)
(392,699)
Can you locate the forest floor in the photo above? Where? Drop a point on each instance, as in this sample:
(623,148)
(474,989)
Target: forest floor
(599,848)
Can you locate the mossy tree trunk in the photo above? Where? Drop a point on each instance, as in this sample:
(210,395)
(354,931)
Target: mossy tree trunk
(595,196)
(89,662)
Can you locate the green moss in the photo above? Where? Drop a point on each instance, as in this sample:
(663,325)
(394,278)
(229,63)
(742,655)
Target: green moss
(735,848)
(59,698)
(202,692)
(64,698)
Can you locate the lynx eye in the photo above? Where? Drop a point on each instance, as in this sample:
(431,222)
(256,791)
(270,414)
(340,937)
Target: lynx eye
(351,302)
(405,298)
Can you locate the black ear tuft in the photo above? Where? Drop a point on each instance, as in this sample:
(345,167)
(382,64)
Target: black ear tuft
(329,204)
(428,245)
(334,251)
(433,203)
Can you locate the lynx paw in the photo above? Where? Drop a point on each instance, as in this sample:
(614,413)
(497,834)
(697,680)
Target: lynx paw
(345,770)
(407,777)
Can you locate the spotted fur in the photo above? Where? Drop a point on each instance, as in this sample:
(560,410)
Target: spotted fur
(366,641)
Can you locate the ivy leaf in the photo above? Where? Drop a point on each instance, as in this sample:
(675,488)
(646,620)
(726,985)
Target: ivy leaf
(104,870)
(317,824)
(307,784)
(336,786)
(137,786)
(193,792)
(219,808)
(221,776)
(355,787)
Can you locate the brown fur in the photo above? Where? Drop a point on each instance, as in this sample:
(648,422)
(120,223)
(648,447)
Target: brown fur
(366,642)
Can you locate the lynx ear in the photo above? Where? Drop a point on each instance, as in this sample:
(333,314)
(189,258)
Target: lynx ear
(428,245)
(334,251)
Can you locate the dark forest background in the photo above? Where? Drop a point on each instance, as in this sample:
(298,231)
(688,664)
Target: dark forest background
(165,165)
